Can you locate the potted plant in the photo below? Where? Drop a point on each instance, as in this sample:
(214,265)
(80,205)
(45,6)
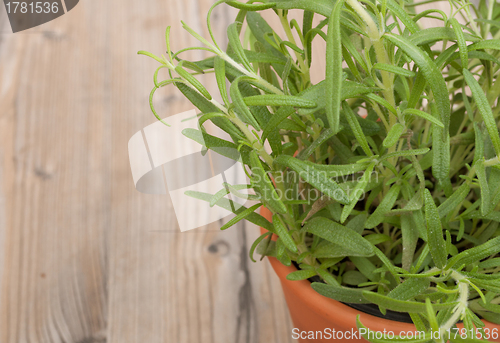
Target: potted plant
(382,182)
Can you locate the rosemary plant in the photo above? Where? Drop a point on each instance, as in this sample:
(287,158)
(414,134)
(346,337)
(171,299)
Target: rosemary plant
(384,178)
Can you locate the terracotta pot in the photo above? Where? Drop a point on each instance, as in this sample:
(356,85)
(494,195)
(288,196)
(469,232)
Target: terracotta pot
(334,321)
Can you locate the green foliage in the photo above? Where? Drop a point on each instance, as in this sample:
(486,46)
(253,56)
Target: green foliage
(382,179)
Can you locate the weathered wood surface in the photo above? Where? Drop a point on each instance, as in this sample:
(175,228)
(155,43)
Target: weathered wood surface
(84,257)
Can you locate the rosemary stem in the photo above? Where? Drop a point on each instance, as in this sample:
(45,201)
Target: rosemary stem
(288,31)
(463,298)
(248,73)
(376,39)
(491,5)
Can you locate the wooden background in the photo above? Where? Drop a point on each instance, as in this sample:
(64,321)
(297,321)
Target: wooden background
(84,257)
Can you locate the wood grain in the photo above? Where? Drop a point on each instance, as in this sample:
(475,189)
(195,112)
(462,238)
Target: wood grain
(84,256)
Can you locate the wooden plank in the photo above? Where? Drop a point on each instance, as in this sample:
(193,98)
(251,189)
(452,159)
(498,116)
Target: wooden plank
(207,283)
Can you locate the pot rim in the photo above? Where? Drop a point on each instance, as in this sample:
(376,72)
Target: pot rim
(333,309)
